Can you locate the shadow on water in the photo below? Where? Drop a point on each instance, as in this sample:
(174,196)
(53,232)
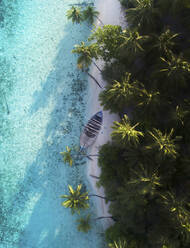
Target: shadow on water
(9,14)
(49,224)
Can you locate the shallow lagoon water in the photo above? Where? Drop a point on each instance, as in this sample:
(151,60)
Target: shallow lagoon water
(42,110)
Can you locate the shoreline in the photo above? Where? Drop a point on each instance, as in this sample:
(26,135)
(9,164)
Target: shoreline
(110,13)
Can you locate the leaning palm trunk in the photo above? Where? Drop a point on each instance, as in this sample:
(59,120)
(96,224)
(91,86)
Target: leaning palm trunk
(100,20)
(94,79)
(104,217)
(102,197)
(96,66)
(89,156)
(94,176)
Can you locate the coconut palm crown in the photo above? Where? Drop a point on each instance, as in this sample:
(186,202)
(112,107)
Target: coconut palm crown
(90,14)
(146,180)
(164,143)
(76,200)
(86,54)
(67,157)
(126,133)
(177,69)
(121,244)
(166,41)
(142,15)
(132,41)
(120,94)
(75,15)
(179,208)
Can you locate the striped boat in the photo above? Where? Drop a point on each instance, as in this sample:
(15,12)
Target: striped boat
(91,130)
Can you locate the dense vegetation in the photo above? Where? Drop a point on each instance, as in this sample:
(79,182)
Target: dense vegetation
(146,167)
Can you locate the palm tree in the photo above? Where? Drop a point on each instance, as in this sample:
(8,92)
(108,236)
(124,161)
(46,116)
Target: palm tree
(85,59)
(179,208)
(82,66)
(147,98)
(166,41)
(177,69)
(118,95)
(108,38)
(84,224)
(132,41)
(146,180)
(90,13)
(164,143)
(76,200)
(72,153)
(67,157)
(126,133)
(87,53)
(75,15)
(121,244)
(149,103)
(178,116)
(133,155)
(142,15)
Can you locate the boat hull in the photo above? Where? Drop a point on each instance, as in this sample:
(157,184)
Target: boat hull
(91,130)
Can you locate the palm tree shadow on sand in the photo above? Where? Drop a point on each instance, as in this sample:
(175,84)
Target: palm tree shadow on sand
(46,178)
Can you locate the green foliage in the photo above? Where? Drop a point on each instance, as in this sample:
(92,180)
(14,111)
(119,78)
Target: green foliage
(132,41)
(118,95)
(76,200)
(75,14)
(67,157)
(78,15)
(108,38)
(122,244)
(145,167)
(165,42)
(177,69)
(179,209)
(86,54)
(142,15)
(127,3)
(146,181)
(125,133)
(164,143)
(148,105)
(90,14)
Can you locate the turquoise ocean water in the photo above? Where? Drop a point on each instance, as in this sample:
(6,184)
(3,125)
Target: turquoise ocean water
(42,109)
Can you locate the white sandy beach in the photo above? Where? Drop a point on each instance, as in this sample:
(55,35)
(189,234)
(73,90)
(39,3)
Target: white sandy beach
(110,13)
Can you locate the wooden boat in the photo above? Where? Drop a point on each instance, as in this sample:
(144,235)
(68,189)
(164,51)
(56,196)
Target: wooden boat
(91,130)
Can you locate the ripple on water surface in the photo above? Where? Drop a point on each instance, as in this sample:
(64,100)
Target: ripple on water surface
(42,106)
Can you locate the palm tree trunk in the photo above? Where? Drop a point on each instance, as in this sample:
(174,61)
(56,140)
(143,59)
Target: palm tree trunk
(100,20)
(95,176)
(104,217)
(96,66)
(102,197)
(94,79)
(90,155)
